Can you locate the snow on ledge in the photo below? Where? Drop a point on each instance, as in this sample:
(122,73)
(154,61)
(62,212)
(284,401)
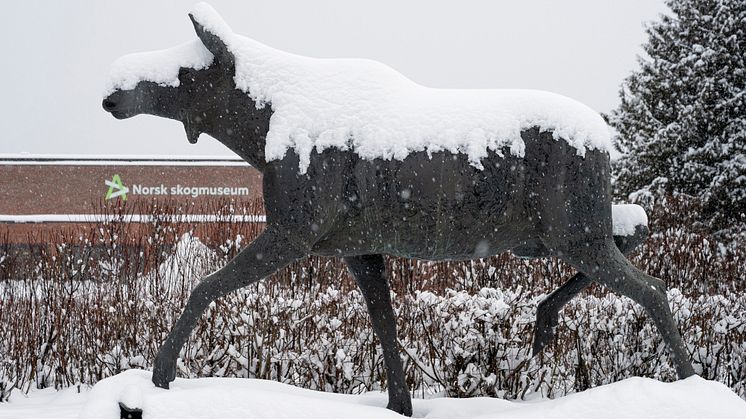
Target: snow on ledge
(634,398)
(366,106)
(131,218)
(34,159)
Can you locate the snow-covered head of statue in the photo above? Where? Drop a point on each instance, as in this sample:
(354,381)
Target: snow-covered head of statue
(199,97)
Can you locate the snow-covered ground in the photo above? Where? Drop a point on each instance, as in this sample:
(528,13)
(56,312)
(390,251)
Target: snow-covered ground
(45,404)
(634,398)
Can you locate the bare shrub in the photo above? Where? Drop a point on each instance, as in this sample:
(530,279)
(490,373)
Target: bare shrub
(82,304)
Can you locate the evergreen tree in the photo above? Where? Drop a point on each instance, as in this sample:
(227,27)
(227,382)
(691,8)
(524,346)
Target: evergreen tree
(682,118)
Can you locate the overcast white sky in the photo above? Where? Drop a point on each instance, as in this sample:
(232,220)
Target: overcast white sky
(56,55)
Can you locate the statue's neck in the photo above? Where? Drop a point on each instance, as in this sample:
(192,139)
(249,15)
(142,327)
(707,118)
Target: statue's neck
(243,134)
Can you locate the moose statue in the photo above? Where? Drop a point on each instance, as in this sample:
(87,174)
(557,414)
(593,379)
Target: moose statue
(358,162)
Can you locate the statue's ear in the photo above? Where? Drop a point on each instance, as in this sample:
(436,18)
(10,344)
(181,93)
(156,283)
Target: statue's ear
(214,44)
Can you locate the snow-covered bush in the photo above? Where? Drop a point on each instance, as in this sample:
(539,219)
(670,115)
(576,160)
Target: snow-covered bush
(87,308)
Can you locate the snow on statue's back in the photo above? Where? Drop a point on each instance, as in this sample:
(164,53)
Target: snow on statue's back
(367,106)
(359,162)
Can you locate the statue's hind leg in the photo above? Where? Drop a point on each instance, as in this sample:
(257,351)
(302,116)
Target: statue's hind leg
(605,264)
(266,254)
(369,273)
(547,312)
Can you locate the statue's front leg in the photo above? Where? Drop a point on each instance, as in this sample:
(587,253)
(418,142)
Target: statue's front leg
(268,253)
(369,273)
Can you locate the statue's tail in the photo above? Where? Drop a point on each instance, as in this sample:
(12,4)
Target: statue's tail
(630,226)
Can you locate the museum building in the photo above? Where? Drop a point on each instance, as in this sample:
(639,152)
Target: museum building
(44,194)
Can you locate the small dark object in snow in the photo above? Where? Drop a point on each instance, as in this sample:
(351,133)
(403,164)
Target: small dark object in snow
(548,202)
(129,413)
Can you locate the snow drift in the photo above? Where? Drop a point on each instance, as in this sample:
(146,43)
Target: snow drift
(205,398)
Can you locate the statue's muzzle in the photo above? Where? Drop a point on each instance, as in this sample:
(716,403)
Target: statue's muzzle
(116,105)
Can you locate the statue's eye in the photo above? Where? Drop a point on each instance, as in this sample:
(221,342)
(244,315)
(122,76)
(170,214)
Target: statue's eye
(185,74)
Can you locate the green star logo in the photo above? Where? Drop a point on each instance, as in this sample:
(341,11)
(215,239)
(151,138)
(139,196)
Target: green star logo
(116,188)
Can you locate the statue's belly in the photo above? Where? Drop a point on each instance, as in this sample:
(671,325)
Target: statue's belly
(435,207)
(448,230)
(450,236)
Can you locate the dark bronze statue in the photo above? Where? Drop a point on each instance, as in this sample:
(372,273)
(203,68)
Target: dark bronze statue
(548,202)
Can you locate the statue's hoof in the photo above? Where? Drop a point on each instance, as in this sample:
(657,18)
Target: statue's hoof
(164,371)
(129,413)
(540,341)
(161,379)
(402,407)
(543,335)
(546,321)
